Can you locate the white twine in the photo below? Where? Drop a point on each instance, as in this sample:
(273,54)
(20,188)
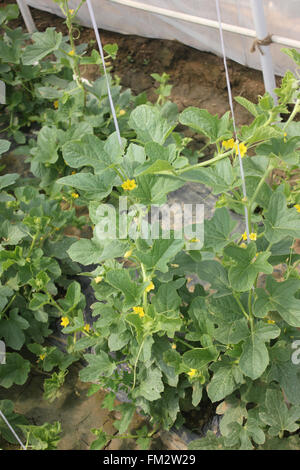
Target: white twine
(12,430)
(112,107)
(233,117)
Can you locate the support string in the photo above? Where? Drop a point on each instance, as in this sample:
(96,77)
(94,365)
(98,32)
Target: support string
(233,117)
(12,430)
(112,107)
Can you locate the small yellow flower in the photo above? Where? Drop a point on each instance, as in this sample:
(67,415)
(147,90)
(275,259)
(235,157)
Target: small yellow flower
(173,346)
(73,173)
(98,279)
(71,12)
(194,240)
(297,206)
(28,260)
(243,245)
(192,373)
(253,236)
(272,322)
(244,236)
(122,112)
(71,53)
(149,287)
(55,104)
(139,311)
(42,356)
(128,254)
(129,185)
(284,137)
(75,195)
(64,321)
(87,327)
(242,147)
(228,144)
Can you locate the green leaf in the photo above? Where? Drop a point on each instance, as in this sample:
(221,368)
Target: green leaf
(217,230)
(93,251)
(98,365)
(101,440)
(162,252)
(97,187)
(255,357)
(46,150)
(248,265)
(209,442)
(44,44)
(277,415)
(15,371)
(44,437)
(151,385)
(38,301)
(153,189)
(213,272)
(198,358)
(120,279)
(231,324)
(14,419)
(227,378)
(4,146)
(203,122)
(11,329)
(280,297)
(221,177)
(281,222)
(149,124)
(8,180)
(127,410)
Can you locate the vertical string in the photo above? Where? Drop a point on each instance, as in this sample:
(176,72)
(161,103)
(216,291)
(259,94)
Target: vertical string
(112,107)
(12,430)
(233,116)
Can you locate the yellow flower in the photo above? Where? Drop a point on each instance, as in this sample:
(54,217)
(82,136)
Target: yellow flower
(71,53)
(243,245)
(242,147)
(87,327)
(272,322)
(64,321)
(297,206)
(128,254)
(73,173)
(139,311)
(194,240)
(284,137)
(42,356)
(122,112)
(252,236)
(129,185)
(173,346)
(71,12)
(228,144)
(98,279)
(55,104)
(149,287)
(192,373)
(75,195)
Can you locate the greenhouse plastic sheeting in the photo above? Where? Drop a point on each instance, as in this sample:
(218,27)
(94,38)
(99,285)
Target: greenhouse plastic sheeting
(283,19)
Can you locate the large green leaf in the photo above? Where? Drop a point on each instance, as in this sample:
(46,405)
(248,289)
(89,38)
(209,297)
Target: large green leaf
(217,230)
(149,124)
(11,329)
(248,265)
(211,126)
(281,222)
(227,377)
(96,187)
(98,365)
(161,253)
(277,415)
(94,251)
(15,371)
(44,43)
(120,279)
(14,419)
(221,177)
(280,297)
